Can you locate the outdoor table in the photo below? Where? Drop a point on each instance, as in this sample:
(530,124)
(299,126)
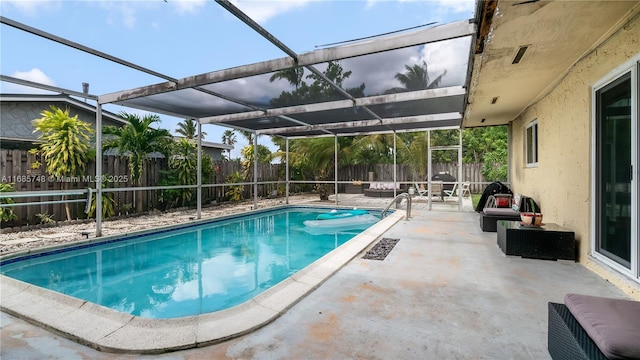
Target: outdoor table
(549,241)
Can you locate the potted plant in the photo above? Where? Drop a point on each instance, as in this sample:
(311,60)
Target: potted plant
(532,215)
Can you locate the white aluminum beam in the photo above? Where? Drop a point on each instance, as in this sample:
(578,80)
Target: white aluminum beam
(363,123)
(338,104)
(438,33)
(376,132)
(199,80)
(46,87)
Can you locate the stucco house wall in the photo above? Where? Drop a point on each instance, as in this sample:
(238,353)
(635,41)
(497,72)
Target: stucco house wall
(215,150)
(562,179)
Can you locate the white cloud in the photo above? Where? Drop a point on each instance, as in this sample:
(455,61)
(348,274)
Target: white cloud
(457,6)
(120,13)
(188,6)
(378,71)
(452,56)
(436,10)
(442,10)
(31,7)
(35,75)
(370,4)
(263,11)
(128,16)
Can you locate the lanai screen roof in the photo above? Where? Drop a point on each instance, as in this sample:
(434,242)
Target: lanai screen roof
(254,97)
(259,98)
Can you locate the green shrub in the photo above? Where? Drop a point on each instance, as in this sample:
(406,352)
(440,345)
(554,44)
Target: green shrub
(6,213)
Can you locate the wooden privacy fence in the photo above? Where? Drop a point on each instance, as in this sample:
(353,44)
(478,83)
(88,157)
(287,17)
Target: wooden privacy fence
(16,168)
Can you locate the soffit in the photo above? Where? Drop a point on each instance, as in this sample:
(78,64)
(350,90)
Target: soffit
(557,33)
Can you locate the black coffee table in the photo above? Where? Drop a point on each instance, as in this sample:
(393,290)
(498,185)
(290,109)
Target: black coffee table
(549,241)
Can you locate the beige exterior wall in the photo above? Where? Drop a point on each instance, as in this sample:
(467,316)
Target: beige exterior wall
(561,182)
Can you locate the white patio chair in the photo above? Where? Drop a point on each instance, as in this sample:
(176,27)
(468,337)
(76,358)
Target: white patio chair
(421,192)
(452,192)
(465,189)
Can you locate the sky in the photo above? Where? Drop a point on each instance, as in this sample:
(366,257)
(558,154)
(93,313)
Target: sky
(180,38)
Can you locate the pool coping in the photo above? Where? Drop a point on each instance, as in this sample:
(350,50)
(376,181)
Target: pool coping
(109,330)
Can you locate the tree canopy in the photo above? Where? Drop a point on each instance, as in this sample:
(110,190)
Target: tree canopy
(135,141)
(189,129)
(66,143)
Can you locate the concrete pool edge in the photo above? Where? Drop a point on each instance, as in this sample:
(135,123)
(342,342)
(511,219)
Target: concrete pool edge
(108,330)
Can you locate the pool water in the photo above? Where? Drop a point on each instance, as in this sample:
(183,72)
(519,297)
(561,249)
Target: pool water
(186,271)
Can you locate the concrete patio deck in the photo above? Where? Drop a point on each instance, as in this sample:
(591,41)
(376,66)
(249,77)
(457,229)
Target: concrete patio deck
(445,291)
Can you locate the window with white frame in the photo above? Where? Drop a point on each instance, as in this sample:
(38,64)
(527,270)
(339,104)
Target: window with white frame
(531,143)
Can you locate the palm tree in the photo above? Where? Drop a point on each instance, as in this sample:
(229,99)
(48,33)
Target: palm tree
(292,75)
(135,141)
(66,146)
(373,149)
(247,135)
(229,138)
(189,129)
(416,77)
(316,156)
(413,150)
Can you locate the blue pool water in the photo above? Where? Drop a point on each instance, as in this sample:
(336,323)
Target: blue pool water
(185,271)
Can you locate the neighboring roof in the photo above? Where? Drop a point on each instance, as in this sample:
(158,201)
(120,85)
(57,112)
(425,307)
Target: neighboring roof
(209,144)
(216,145)
(556,34)
(48,98)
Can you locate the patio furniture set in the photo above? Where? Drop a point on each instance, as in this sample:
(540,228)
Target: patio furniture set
(502,214)
(384,189)
(584,327)
(443,186)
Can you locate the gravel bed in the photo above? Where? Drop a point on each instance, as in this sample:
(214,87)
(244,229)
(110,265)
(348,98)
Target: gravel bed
(381,249)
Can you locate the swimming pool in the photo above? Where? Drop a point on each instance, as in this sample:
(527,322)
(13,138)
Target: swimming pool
(107,329)
(186,271)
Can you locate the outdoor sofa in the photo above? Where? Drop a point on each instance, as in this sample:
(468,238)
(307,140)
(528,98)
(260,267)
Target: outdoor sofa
(592,327)
(383,189)
(511,211)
